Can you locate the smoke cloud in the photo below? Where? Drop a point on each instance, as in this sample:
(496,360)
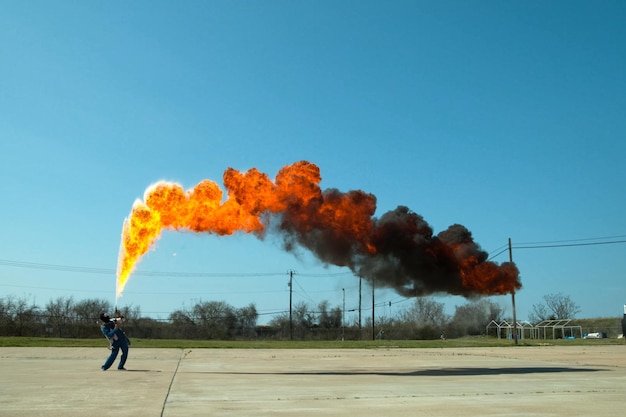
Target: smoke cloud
(398,250)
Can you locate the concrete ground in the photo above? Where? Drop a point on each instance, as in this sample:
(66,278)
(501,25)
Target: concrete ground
(512,381)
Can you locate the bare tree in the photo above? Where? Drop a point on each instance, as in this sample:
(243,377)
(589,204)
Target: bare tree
(426,318)
(60,317)
(303,319)
(18,317)
(280,322)
(214,317)
(89,310)
(471,318)
(246,321)
(131,313)
(555,307)
(329,319)
(183,325)
(427,311)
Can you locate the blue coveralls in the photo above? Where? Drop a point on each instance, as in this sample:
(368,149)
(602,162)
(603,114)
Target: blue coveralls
(109,330)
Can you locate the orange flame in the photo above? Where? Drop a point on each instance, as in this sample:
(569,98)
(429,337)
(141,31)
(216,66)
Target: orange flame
(250,195)
(488,278)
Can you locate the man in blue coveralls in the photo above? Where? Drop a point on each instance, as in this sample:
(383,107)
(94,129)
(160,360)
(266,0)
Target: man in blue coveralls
(118,340)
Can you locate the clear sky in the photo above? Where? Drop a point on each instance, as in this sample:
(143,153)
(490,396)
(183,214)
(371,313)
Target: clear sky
(506,117)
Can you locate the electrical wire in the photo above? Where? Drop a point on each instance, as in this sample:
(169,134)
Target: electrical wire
(52,267)
(304,293)
(336,274)
(563,245)
(573,240)
(105,271)
(606,240)
(500,248)
(498,254)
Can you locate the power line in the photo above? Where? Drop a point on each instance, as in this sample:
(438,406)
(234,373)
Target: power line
(503,248)
(49,288)
(178,274)
(563,245)
(107,271)
(145,292)
(573,240)
(52,267)
(499,253)
(607,240)
(306,295)
(336,274)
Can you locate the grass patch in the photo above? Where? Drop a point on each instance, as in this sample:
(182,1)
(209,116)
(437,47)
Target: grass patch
(465,342)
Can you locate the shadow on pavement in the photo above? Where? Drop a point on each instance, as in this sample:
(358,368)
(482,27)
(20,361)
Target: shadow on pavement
(141,370)
(425,372)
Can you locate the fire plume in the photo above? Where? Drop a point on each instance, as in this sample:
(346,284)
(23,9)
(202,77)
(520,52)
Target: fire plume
(397,251)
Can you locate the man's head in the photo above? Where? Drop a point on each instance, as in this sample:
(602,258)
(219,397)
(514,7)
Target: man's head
(104,317)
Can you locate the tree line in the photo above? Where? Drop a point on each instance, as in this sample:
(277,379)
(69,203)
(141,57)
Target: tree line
(425,318)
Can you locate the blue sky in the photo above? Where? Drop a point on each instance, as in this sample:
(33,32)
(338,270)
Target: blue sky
(506,117)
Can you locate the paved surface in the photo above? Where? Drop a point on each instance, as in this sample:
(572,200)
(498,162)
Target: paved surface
(515,381)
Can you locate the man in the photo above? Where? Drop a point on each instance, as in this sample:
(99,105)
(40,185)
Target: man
(117,339)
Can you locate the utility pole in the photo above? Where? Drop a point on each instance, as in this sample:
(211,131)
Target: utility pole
(373,305)
(513,298)
(343,316)
(360,284)
(290,304)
